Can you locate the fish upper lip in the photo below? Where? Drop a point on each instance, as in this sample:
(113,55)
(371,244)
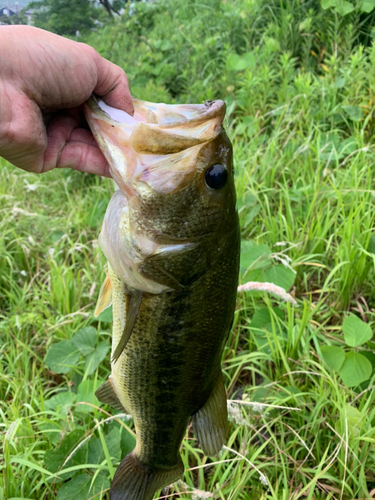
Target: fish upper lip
(200,112)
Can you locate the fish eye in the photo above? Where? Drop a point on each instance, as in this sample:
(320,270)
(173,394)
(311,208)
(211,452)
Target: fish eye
(216,176)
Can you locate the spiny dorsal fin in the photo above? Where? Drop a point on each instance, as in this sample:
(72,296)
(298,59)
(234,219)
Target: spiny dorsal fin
(210,422)
(106,394)
(105,297)
(134,302)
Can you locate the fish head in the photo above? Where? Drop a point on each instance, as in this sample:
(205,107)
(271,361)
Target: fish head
(173,169)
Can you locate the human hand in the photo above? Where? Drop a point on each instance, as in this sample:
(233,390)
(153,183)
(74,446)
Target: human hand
(42,76)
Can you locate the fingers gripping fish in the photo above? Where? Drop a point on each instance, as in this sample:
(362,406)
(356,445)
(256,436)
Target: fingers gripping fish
(171,238)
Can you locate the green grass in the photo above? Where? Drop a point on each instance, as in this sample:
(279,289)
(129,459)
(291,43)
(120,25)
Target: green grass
(302,132)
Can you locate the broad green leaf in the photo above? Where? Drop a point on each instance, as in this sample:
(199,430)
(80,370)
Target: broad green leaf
(251,214)
(100,485)
(166,45)
(354,418)
(340,82)
(56,235)
(333,356)
(356,331)
(326,4)
(367,5)
(113,441)
(239,63)
(355,369)
(94,359)
(52,430)
(247,200)
(370,356)
(279,275)
(347,147)
(75,489)
(272,44)
(127,441)
(62,357)
(262,323)
(254,256)
(85,340)
(263,317)
(86,394)
(95,453)
(56,460)
(62,401)
(344,8)
(355,113)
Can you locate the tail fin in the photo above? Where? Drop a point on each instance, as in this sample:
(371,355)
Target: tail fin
(135,481)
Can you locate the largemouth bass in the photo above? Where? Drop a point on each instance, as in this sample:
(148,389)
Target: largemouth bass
(171,238)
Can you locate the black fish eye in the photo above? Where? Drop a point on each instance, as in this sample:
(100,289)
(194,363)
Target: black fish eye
(216,176)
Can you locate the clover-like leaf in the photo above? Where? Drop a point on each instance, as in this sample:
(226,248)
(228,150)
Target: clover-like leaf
(279,275)
(333,356)
(356,331)
(355,369)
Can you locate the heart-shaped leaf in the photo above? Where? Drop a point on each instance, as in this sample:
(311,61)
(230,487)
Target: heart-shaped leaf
(356,331)
(333,356)
(355,369)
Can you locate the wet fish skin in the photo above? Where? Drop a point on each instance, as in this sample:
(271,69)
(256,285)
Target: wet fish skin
(186,269)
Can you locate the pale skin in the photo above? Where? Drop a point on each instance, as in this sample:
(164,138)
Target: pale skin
(44,81)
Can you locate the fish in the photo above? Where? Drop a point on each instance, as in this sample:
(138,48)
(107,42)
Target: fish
(172,241)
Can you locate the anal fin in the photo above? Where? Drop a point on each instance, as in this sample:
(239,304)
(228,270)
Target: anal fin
(136,481)
(106,394)
(210,422)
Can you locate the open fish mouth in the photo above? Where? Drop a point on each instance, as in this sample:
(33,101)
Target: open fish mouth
(159,145)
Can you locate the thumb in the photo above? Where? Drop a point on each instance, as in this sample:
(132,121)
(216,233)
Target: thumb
(112,85)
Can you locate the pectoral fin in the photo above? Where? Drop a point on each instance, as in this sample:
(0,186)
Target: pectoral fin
(134,302)
(105,297)
(106,394)
(176,265)
(210,422)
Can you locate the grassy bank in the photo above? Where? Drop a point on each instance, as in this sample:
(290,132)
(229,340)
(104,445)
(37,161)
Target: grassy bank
(300,88)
